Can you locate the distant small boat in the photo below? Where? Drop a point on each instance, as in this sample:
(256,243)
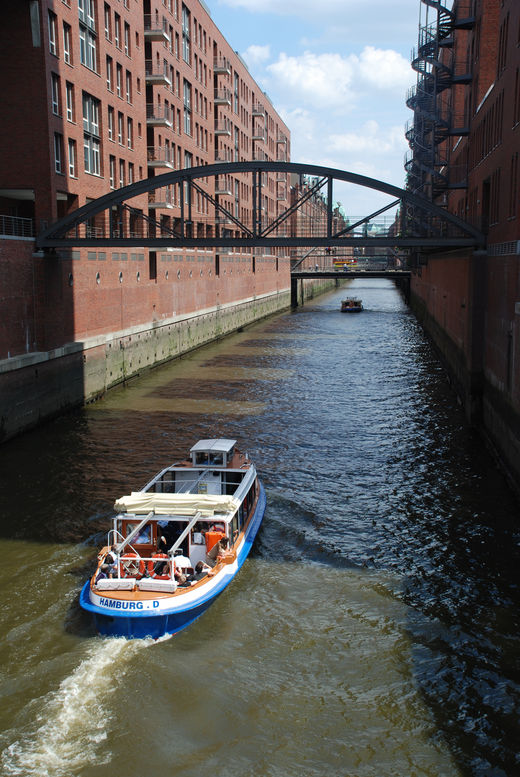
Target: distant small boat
(351,305)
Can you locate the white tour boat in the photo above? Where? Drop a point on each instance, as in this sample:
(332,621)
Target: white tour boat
(162,566)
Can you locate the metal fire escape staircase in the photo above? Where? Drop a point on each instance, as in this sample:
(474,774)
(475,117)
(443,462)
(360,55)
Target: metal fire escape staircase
(434,119)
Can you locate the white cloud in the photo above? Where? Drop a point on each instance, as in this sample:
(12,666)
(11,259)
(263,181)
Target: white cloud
(371,139)
(254,55)
(335,82)
(385,69)
(317,79)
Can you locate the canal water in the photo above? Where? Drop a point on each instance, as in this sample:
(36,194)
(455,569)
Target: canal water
(373,632)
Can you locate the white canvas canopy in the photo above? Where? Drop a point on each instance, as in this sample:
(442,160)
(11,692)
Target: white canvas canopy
(143,502)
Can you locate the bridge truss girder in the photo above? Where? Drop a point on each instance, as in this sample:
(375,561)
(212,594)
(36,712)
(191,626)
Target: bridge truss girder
(422,224)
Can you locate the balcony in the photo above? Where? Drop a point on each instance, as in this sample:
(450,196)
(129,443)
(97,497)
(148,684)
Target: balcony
(15,226)
(221,66)
(160,157)
(160,199)
(154,74)
(258,110)
(259,134)
(155,29)
(222,97)
(223,188)
(223,128)
(158,116)
(259,155)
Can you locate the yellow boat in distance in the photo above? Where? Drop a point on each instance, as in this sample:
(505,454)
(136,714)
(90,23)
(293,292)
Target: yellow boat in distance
(351,305)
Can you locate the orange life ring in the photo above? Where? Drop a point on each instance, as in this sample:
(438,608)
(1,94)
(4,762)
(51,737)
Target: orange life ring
(165,575)
(130,565)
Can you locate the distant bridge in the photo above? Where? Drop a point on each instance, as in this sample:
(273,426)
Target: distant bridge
(346,275)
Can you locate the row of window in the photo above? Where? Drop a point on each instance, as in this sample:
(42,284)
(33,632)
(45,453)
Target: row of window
(488,134)
(119,31)
(116,86)
(88,50)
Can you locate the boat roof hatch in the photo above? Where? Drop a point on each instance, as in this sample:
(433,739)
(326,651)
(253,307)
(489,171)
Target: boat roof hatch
(210,453)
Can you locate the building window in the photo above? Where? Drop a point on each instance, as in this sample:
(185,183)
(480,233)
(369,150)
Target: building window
(516,105)
(53,42)
(128,86)
(112,172)
(119,80)
(110,123)
(130,132)
(69,94)
(86,13)
(87,48)
(130,172)
(67,48)
(91,142)
(58,152)
(120,128)
(187,107)
(108,26)
(87,34)
(513,186)
(110,74)
(55,94)
(121,173)
(72,159)
(127,39)
(186,51)
(117,30)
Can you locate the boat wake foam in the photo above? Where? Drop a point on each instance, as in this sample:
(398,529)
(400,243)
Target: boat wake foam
(74,719)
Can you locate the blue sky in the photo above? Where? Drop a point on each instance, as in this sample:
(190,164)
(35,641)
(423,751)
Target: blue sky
(337,71)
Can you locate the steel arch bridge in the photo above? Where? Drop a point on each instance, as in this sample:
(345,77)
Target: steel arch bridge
(114,220)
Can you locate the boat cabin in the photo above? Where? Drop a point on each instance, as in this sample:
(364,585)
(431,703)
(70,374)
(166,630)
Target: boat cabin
(185,509)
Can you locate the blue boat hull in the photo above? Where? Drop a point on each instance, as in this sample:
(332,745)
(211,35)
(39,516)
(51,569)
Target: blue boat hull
(140,625)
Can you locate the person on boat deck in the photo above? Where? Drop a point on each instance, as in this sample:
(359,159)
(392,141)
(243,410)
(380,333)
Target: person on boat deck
(162,544)
(179,576)
(201,570)
(218,549)
(109,565)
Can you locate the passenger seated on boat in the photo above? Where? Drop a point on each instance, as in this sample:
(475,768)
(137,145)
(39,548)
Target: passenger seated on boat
(109,565)
(217,550)
(201,570)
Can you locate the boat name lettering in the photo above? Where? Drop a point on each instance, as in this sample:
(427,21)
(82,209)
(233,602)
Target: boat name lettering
(119,605)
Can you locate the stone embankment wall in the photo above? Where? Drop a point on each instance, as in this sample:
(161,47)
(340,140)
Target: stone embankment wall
(466,304)
(37,386)
(83,354)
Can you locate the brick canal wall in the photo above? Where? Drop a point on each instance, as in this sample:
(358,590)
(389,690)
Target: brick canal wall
(468,306)
(60,343)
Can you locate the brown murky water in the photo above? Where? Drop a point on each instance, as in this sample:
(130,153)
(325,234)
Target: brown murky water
(372,633)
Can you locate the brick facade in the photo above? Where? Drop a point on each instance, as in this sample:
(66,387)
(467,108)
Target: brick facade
(98,95)
(470,302)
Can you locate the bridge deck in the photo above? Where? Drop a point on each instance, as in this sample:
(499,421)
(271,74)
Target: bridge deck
(348,274)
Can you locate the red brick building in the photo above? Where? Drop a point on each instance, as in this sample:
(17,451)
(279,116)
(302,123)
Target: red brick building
(99,94)
(465,143)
